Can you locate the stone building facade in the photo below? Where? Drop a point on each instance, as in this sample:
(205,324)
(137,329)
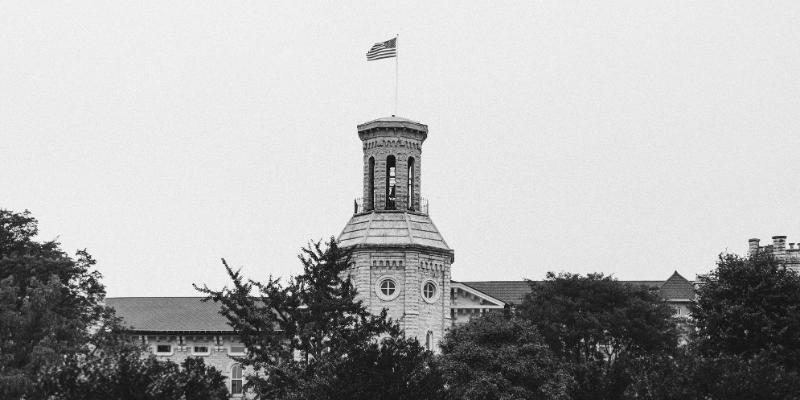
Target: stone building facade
(790,256)
(401,261)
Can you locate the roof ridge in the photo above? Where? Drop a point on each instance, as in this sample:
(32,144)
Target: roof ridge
(408,228)
(369,225)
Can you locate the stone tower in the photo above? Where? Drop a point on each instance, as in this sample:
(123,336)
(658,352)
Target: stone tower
(401,262)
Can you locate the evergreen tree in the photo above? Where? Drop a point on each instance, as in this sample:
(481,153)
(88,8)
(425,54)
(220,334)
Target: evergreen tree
(305,337)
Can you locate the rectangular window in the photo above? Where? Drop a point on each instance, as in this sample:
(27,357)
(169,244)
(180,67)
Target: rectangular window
(201,350)
(236,379)
(236,386)
(163,349)
(237,350)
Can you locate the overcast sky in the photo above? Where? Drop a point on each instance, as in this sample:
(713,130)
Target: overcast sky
(634,138)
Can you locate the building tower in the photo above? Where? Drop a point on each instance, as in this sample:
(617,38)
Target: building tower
(401,262)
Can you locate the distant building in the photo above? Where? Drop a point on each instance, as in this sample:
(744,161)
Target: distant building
(401,263)
(677,291)
(790,256)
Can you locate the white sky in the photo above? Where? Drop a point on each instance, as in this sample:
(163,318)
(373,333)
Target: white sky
(634,138)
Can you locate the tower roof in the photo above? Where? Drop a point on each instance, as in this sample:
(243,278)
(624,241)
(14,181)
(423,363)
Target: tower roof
(392,229)
(393,122)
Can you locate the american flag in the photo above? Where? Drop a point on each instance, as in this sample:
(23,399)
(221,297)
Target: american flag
(383,50)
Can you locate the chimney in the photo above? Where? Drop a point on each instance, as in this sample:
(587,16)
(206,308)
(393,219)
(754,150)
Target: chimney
(779,245)
(753,245)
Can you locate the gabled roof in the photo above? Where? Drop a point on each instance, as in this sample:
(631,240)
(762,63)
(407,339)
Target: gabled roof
(677,288)
(510,292)
(386,229)
(169,314)
(486,300)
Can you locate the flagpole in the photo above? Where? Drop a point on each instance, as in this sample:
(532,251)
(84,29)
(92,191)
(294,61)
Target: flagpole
(396,70)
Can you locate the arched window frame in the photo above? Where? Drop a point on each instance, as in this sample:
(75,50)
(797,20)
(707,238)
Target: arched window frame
(391,182)
(371,183)
(237,379)
(411,178)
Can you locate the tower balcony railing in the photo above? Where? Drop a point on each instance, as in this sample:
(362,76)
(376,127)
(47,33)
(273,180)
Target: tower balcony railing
(381,203)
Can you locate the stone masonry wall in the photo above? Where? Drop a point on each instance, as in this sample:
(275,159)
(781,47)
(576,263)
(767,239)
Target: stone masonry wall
(409,270)
(402,148)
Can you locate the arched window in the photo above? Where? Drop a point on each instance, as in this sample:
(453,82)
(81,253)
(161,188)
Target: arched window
(391,182)
(236,379)
(371,179)
(410,192)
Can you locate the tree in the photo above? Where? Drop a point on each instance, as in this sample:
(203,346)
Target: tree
(394,368)
(305,336)
(58,340)
(747,318)
(125,373)
(601,327)
(748,305)
(48,302)
(494,357)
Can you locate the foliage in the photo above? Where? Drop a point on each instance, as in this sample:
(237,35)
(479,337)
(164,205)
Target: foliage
(58,341)
(747,306)
(604,329)
(747,342)
(123,373)
(494,357)
(48,302)
(394,368)
(305,336)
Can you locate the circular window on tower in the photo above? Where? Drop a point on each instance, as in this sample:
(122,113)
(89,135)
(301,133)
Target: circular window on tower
(430,291)
(386,288)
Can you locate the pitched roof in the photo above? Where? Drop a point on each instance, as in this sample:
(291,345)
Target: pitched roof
(513,292)
(169,314)
(677,288)
(510,292)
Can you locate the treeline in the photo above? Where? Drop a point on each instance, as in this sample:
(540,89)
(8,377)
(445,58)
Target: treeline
(574,337)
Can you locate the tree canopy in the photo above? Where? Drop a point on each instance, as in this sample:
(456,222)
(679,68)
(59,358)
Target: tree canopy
(747,319)
(601,327)
(748,305)
(494,357)
(306,336)
(48,300)
(57,339)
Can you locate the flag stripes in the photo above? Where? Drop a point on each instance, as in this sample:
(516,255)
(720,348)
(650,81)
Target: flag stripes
(379,51)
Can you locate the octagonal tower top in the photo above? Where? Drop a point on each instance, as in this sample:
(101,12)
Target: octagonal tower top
(392,164)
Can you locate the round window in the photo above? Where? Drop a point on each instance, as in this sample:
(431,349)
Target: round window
(386,288)
(430,291)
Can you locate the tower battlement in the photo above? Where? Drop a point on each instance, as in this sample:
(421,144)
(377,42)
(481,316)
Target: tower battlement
(778,249)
